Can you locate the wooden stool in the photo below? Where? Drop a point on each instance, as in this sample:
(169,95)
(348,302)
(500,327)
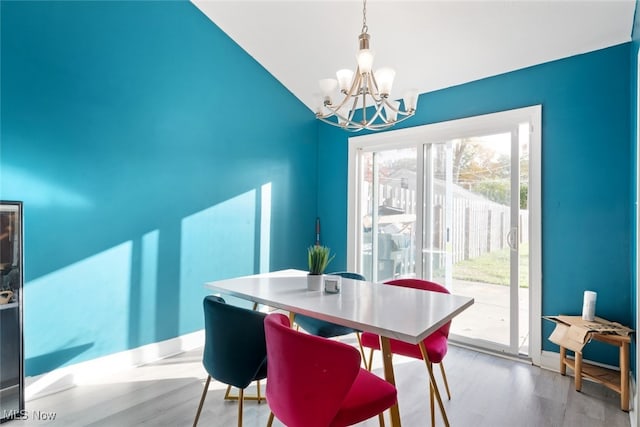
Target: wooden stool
(616,381)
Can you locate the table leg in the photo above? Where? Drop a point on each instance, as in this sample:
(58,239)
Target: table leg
(563,358)
(624,376)
(387,360)
(578,370)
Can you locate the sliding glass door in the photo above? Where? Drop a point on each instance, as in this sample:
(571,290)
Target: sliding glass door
(452,206)
(483,197)
(388,212)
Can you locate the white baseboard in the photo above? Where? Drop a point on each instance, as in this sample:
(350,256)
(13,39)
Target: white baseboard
(550,360)
(633,410)
(83,372)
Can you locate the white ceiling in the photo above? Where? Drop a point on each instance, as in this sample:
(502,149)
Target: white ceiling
(431,44)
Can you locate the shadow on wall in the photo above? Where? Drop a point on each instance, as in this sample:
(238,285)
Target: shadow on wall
(55,359)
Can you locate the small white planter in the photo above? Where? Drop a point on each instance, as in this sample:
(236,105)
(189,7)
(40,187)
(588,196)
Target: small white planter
(314,282)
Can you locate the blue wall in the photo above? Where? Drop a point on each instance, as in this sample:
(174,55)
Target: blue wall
(135,134)
(118,131)
(586,175)
(635,45)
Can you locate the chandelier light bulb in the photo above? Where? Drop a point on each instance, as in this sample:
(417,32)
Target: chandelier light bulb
(345,78)
(384,79)
(365,60)
(410,100)
(391,112)
(328,87)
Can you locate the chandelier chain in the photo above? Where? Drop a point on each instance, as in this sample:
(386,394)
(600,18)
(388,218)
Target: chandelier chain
(364,17)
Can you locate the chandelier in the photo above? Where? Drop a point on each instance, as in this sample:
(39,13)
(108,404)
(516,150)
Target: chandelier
(365,90)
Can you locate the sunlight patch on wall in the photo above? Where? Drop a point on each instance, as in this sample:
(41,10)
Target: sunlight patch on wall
(265,227)
(89,298)
(216,243)
(148,285)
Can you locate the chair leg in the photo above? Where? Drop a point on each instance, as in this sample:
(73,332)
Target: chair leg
(240,405)
(270,420)
(432,380)
(370,365)
(444,377)
(431,405)
(364,358)
(260,397)
(381,419)
(204,394)
(227,394)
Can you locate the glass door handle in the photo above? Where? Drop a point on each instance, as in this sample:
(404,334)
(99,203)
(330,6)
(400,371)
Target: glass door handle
(512,238)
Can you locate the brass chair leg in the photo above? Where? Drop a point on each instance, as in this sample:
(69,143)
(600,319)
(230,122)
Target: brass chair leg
(444,377)
(364,358)
(204,394)
(240,405)
(381,419)
(432,380)
(431,405)
(270,420)
(292,317)
(260,397)
(370,365)
(227,394)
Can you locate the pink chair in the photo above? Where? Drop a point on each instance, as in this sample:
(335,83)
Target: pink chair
(434,346)
(317,382)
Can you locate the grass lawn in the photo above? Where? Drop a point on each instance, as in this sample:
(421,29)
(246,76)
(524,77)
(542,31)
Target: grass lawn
(494,268)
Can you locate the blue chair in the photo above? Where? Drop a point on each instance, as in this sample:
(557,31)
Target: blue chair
(235,351)
(325,329)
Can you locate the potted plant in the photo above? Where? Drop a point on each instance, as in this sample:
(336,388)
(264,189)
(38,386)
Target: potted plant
(319,257)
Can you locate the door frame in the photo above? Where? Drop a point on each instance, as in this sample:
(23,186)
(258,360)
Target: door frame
(462,128)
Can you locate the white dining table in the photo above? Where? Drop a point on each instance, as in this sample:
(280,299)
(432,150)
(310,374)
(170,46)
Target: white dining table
(396,312)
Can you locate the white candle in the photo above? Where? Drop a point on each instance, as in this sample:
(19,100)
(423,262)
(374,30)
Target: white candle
(589,305)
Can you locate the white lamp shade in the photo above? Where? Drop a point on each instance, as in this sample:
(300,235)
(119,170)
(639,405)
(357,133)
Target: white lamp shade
(345,77)
(391,113)
(365,60)
(410,100)
(384,79)
(328,86)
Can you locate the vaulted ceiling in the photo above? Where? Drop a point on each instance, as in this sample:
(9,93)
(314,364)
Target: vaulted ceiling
(431,44)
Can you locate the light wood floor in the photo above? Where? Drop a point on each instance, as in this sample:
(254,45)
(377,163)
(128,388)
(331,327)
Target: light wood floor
(486,391)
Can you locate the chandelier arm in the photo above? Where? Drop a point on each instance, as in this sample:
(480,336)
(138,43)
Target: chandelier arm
(353,91)
(334,110)
(374,84)
(390,106)
(352,111)
(407,113)
(378,113)
(350,127)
